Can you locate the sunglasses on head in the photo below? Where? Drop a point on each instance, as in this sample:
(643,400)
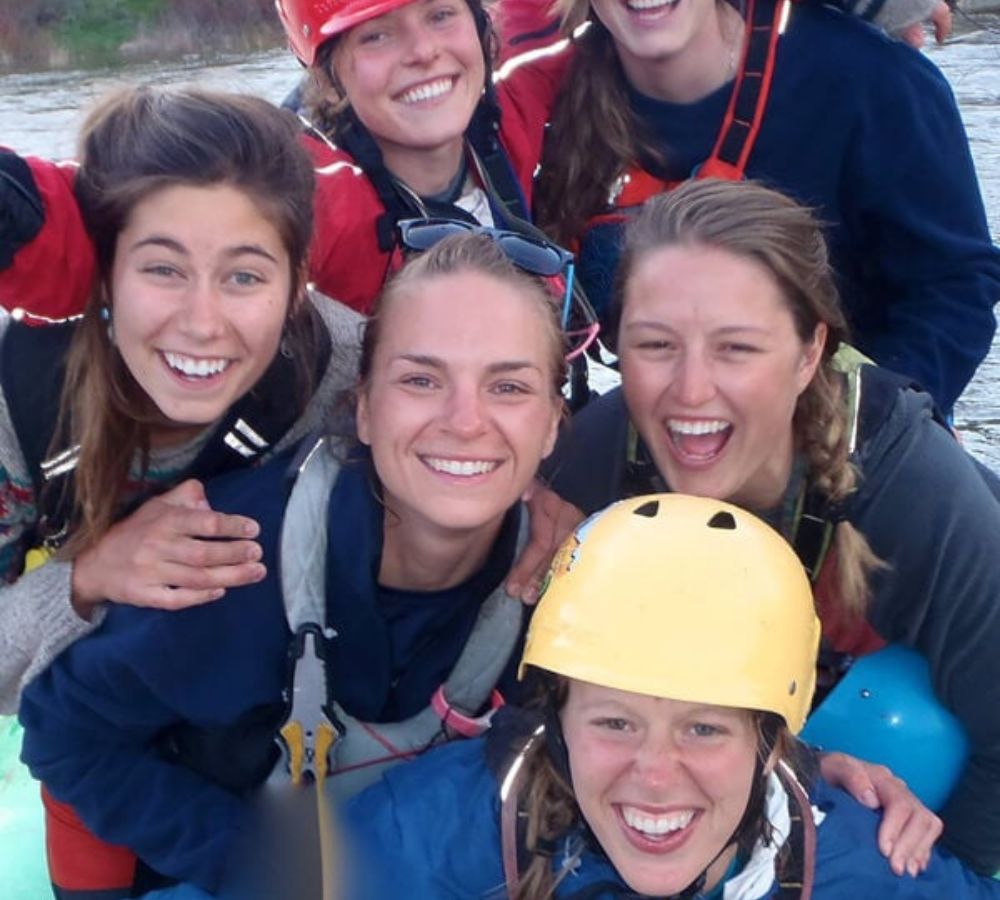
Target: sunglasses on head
(532,255)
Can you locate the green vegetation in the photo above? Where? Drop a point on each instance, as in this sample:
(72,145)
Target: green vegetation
(93,30)
(49,33)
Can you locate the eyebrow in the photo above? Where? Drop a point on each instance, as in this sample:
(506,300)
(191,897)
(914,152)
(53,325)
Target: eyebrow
(159,240)
(435,362)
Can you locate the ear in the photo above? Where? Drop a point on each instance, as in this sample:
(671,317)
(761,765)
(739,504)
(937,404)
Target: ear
(361,419)
(812,356)
(301,296)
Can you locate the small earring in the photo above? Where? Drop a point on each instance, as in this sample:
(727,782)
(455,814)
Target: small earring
(105,315)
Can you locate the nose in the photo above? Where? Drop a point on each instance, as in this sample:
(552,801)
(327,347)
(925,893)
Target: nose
(422,45)
(201,317)
(464,414)
(658,760)
(694,379)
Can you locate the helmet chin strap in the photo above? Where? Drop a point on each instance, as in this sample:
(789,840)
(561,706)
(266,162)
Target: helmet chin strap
(555,746)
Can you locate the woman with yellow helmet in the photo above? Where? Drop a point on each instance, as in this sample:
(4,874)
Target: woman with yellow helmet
(673,657)
(736,385)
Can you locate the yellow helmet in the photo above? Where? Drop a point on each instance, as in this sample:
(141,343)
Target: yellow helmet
(681,597)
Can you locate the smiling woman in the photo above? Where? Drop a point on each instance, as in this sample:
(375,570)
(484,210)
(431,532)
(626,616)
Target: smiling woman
(737,384)
(402,540)
(202,285)
(200,210)
(672,659)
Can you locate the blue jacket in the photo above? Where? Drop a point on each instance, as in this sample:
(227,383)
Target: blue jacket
(157,728)
(430,830)
(930,512)
(865,131)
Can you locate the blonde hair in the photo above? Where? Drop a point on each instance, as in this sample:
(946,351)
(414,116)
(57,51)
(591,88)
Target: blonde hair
(467,253)
(750,220)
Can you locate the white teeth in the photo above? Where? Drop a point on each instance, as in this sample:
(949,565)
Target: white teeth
(650,4)
(464,467)
(700,426)
(656,825)
(195,368)
(427,91)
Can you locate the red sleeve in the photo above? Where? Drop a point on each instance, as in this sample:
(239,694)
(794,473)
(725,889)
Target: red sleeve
(524,25)
(345,261)
(53,273)
(528,87)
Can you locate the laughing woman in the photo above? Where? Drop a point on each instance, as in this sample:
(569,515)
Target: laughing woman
(733,388)
(200,210)
(658,758)
(815,104)
(160,727)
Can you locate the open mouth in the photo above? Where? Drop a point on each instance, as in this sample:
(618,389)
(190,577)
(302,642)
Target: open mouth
(647,6)
(657,833)
(460,468)
(428,90)
(698,440)
(195,368)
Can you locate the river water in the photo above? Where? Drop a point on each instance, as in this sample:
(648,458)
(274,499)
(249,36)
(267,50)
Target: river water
(40,113)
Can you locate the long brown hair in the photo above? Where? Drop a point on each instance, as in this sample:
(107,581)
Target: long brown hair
(135,143)
(752,221)
(593,135)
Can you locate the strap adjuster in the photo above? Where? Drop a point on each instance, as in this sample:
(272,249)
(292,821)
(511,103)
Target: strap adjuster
(466,726)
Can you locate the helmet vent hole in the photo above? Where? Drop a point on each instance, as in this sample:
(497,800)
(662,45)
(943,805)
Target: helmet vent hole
(723,520)
(792,688)
(648,509)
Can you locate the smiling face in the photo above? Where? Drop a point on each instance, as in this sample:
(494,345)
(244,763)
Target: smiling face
(712,368)
(414,77)
(459,407)
(199,293)
(663,784)
(664,43)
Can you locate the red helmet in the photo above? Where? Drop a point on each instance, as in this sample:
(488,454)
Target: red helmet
(309,23)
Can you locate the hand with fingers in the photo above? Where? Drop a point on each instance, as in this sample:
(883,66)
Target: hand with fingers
(552,521)
(940,19)
(173,551)
(908,830)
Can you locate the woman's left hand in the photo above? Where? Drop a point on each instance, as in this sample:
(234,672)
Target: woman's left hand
(552,521)
(908,830)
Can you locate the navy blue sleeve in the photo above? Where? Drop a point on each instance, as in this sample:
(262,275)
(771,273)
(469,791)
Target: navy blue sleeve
(432,826)
(90,722)
(849,863)
(21,211)
(910,195)
(928,513)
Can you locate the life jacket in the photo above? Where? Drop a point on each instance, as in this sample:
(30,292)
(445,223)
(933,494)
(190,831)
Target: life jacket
(340,752)
(33,369)
(795,873)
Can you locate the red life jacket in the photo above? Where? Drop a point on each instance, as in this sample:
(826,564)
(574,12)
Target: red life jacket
(740,125)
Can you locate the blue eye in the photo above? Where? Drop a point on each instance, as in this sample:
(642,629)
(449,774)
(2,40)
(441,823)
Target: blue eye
(703,729)
(160,270)
(246,279)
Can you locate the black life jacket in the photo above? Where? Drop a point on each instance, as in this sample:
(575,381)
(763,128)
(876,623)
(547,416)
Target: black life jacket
(33,370)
